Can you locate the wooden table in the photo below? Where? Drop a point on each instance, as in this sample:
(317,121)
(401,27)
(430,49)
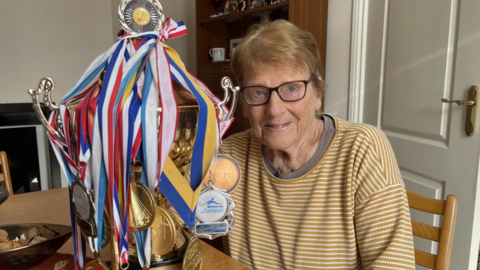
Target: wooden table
(51,206)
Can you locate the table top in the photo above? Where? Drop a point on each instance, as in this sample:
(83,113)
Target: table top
(51,206)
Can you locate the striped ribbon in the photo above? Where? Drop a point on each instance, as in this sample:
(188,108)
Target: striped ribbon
(182,196)
(115,120)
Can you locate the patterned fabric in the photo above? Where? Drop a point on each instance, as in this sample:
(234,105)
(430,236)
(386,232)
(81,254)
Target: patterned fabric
(349,212)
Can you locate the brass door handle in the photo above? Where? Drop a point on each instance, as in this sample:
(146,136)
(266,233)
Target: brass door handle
(460,102)
(472,109)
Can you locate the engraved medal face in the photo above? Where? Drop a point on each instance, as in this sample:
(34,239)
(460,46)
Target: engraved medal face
(163,232)
(192,259)
(142,207)
(84,207)
(212,206)
(138,16)
(225,173)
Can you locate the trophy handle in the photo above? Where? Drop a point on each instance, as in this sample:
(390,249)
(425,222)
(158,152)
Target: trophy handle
(46,86)
(227,84)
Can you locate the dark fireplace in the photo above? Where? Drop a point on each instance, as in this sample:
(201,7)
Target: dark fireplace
(32,162)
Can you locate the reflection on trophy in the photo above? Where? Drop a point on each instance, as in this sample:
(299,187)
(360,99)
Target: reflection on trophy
(133,131)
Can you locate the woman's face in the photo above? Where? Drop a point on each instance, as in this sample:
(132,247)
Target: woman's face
(277,124)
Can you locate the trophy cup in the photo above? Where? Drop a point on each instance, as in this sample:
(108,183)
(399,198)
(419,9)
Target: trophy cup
(115,136)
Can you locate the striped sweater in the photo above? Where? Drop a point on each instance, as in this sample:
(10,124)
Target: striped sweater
(349,212)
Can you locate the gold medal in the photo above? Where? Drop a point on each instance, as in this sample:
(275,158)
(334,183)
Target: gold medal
(192,260)
(225,173)
(142,206)
(96,264)
(141,213)
(163,232)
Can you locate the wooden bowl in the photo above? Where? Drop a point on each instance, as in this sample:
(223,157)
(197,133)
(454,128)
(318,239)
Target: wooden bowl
(32,255)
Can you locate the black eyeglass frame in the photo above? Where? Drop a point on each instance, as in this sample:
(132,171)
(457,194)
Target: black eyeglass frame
(242,90)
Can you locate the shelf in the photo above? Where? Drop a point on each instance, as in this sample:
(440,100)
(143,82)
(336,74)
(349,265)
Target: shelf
(244,13)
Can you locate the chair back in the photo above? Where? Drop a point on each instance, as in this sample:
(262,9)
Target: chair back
(443,235)
(5,173)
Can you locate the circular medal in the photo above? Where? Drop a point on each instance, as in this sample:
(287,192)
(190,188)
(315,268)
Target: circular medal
(163,232)
(96,265)
(192,260)
(142,207)
(212,206)
(82,201)
(225,173)
(106,231)
(138,16)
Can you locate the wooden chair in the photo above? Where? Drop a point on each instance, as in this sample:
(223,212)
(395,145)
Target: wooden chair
(5,173)
(443,235)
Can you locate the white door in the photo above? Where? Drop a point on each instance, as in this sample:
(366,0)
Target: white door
(406,56)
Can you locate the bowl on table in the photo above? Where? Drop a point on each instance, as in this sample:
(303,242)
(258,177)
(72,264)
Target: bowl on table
(34,254)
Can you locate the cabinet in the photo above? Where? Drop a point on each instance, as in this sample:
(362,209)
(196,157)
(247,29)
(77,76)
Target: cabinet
(310,15)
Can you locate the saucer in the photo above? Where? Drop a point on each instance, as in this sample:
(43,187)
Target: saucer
(221,60)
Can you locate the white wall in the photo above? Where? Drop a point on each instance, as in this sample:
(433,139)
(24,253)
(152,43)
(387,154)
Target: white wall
(49,38)
(337,69)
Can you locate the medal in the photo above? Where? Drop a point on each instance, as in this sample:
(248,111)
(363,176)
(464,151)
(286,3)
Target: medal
(106,231)
(96,264)
(163,232)
(225,173)
(192,259)
(214,211)
(138,16)
(142,205)
(84,209)
(212,206)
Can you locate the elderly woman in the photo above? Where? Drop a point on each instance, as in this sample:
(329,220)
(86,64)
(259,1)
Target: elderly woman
(318,192)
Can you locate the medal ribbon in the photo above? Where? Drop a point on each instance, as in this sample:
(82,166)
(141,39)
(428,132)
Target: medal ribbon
(181,195)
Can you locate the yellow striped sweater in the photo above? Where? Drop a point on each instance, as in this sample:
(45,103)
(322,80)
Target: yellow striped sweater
(348,212)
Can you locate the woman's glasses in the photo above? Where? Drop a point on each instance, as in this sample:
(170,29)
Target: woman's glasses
(290,91)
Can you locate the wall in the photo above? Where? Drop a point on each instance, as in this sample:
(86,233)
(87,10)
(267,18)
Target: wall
(49,38)
(337,68)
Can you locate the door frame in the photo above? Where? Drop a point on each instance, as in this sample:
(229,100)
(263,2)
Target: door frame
(357,60)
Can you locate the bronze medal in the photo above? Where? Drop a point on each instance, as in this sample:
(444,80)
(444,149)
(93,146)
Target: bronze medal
(225,173)
(142,206)
(163,232)
(192,260)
